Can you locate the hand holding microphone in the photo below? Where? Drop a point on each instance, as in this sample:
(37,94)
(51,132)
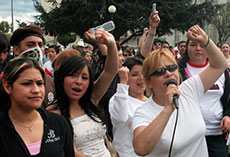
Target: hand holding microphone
(175,96)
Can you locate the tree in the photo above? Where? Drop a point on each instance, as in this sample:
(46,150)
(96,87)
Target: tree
(131,15)
(21,24)
(221,21)
(66,39)
(4,27)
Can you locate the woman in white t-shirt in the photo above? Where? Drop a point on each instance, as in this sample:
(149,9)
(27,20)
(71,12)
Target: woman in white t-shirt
(153,123)
(214,108)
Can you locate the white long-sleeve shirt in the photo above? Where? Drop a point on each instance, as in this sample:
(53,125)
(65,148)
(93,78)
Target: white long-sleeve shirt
(122,108)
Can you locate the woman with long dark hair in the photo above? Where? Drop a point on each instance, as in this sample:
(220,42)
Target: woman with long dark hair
(78,95)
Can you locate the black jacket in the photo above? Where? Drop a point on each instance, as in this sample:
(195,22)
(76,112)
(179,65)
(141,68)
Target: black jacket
(57,140)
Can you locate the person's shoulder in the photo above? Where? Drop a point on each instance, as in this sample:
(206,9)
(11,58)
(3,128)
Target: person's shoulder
(51,116)
(4,121)
(145,106)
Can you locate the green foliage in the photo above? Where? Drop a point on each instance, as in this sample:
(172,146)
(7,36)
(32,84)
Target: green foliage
(66,39)
(8,35)
(4,27)
(221,21)
(132,15)
(21,24)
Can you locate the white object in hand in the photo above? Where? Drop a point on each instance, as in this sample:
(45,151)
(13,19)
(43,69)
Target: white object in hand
(108,26)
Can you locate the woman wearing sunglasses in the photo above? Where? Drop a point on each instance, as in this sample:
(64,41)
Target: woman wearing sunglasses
(154,122)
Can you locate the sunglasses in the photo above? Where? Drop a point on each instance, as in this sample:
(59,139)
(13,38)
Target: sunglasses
(162,71)
(125,55)
(159,44)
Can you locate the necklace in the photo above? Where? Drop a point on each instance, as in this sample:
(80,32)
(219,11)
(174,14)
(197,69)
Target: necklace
(28,127)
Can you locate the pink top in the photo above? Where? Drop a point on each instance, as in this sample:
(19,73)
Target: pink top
(34,148)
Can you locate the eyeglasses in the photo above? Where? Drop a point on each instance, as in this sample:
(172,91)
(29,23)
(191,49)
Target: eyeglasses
(162,71)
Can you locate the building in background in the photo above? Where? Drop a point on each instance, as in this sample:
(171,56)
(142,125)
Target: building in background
(209,29)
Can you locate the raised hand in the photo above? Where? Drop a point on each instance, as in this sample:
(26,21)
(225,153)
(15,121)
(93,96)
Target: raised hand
(100,36)
(195,33)
(90,35)
(124,75)
(154,19)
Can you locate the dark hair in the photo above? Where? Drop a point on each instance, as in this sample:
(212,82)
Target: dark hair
(223,44)
(4,43)
(131,62)
(180,42)
(68,68)
(156,40)
(118,45)
(184,57)
(218,43)
(126,49)
(11,73)
(182,61)
(55,48)
(83,52)
(165,42)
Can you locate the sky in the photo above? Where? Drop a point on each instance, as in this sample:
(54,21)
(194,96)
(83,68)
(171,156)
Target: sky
(23,10)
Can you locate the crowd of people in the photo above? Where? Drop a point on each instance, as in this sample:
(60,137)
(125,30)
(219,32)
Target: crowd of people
(112,100)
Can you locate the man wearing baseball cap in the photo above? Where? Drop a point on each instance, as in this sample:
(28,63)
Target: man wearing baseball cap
(28,41)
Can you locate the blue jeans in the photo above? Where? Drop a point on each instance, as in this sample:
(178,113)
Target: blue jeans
(217,146)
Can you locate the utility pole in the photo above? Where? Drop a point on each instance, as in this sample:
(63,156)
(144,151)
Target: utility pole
(12,16)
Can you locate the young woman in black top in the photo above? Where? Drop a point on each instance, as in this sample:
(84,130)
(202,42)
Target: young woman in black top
(26,130)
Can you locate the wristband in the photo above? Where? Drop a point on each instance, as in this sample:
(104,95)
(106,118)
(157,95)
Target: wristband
(153,35)
(206,43)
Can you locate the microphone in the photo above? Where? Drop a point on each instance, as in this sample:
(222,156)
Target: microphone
(175,96)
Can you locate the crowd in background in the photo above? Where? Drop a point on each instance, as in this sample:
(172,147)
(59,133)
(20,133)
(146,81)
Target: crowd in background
(112,100)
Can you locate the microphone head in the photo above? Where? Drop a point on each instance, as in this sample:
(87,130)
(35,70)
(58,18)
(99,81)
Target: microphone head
(171,82)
